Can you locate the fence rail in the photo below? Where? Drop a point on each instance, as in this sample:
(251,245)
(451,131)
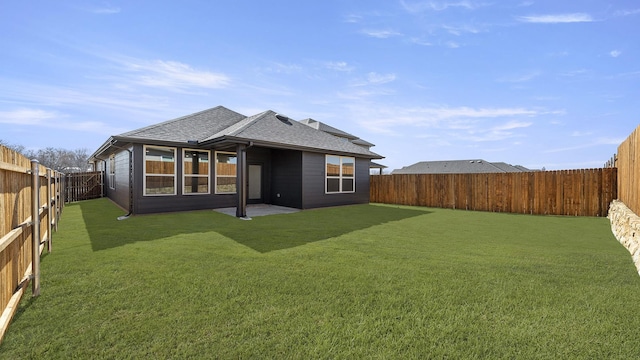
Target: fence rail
(84,186)
(628,163)
(568,192)
(31,202)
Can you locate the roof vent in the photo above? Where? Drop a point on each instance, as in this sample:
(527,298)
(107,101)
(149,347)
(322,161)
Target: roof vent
(283,118)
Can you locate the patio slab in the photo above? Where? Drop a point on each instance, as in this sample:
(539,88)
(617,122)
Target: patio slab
(259,210)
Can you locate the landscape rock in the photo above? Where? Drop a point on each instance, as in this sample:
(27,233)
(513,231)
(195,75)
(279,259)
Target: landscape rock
(625,225)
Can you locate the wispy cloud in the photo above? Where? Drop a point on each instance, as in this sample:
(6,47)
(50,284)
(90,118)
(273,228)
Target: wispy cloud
(511,125)
(105,10)
(375,78)
(420,41)
(627,12)
(520,78)
(353,18)
(461,29)
(585,145)
(391,120)
(53,119)
(573,73)
(339,66)
(420,6)
(615,53)
(173,75)
(278,68)
(380,33)
(27,116)
(557,18)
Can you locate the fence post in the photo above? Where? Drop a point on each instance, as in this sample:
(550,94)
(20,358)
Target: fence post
(49,212)
(35,232)
(56,196)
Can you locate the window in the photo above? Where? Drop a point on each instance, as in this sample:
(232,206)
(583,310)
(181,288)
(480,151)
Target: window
(226,163)
(340,174)
(112,171)
(195,167)
(159,170)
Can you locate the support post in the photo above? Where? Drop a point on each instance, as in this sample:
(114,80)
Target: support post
(241,180)
(35,232)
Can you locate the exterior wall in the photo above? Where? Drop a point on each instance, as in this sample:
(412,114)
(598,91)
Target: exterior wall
(120,192)
(313,188)
(169,203)
(286,178)
(289,178)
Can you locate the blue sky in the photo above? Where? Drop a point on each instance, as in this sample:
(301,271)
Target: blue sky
(551,84)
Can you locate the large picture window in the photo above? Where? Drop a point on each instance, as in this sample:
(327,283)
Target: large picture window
(226,165)
(159,170)
(340,174)
(195,167)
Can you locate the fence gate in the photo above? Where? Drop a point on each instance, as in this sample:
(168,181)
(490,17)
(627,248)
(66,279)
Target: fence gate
(84,186)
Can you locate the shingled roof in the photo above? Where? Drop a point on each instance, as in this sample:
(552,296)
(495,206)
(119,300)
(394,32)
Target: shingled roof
(198,126)
(220,125)
(458,167)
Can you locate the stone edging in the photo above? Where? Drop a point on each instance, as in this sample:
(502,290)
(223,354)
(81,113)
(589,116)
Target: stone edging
(625,225)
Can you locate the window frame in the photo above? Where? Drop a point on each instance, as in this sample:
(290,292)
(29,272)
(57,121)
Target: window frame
(341,176)
(145,174)
(216,176)
(112,171)
(185,175)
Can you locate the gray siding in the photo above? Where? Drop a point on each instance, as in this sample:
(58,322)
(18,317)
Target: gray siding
(314,183)
(289,178)
(286,178)
(156,204)
(120,192)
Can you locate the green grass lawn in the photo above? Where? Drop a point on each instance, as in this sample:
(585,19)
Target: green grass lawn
(365,281)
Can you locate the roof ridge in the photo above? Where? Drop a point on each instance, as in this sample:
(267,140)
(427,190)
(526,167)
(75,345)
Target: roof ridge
(250,123)
(174,120)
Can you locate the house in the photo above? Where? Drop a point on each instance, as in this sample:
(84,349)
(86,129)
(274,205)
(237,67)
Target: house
(219,158)
(459,167)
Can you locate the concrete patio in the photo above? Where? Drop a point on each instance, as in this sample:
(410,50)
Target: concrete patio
(254,210)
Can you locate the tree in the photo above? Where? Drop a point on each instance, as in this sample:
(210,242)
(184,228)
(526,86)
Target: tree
(59,159)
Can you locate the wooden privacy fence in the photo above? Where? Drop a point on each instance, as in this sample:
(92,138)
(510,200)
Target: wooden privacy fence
(567,192)
(628,164)
(84,186)
(30,206)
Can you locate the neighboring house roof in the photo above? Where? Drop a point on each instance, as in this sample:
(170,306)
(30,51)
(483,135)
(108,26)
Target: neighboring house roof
(459,167)
(221,126)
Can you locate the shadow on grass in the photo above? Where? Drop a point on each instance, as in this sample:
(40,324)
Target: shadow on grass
(276,232)
(263,234)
